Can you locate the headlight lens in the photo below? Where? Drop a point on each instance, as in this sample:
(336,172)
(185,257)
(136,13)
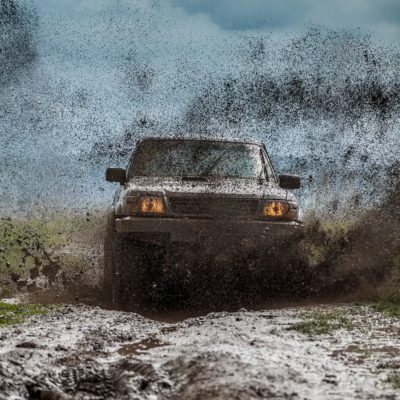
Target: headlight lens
(276,208)
(151,205)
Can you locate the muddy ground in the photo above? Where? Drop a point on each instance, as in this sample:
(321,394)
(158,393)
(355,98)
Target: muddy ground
(277,350)
(313,352)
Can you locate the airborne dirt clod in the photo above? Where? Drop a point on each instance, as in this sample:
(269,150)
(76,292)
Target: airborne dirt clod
(82,352)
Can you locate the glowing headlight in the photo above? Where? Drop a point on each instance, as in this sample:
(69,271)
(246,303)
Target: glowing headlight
(275,209)
(151,205)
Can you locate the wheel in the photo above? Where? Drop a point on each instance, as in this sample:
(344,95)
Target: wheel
(129,260)
(138,273)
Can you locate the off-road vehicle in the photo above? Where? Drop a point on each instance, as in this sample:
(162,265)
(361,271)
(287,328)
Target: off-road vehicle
(211,198)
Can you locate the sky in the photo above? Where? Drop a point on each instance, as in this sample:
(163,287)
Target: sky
(105,66)
(380,18)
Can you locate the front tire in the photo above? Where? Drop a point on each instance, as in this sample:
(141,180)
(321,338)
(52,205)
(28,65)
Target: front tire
(138,272)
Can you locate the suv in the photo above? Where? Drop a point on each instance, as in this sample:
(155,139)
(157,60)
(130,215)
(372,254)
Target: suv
(206,196)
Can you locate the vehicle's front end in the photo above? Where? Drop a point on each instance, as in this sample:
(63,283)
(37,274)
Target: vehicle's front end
(211,196)
(179,212)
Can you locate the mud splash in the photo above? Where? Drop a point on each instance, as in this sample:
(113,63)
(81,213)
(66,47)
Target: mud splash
(339,260)
(52,258)
(325,102)
(18,41)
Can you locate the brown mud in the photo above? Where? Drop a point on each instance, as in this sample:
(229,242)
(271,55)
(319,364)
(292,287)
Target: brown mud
(276,347)
(82,352)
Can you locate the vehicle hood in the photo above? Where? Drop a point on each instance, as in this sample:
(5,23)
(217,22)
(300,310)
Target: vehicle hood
(228,187)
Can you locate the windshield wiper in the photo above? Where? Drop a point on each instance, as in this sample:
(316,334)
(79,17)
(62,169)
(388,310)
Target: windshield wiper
(208,169)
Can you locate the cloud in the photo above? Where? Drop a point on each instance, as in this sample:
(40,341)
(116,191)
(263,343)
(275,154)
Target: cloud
(250,14)
(380,18)
(389,11)
(105,66)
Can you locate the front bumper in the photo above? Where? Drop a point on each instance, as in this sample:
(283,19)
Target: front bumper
(192,230)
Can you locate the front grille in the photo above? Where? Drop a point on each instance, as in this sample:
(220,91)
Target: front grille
(213,206)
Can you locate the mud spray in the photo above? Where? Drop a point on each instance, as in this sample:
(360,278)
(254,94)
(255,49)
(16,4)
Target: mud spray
(76,95)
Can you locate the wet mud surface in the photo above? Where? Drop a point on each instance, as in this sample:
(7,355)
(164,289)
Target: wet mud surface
(84,352)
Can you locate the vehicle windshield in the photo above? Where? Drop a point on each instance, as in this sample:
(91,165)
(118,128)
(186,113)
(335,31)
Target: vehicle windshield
(197,159)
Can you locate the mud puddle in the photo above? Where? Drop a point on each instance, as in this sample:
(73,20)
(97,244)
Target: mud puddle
(314,352)
(140,347)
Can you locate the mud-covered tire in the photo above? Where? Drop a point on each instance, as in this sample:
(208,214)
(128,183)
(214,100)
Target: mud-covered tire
(128,260)
(138,273)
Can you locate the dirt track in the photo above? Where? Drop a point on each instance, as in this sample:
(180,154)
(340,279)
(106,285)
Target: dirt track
(84,352)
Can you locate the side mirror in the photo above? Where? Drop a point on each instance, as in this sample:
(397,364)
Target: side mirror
(116,175)
(289,182)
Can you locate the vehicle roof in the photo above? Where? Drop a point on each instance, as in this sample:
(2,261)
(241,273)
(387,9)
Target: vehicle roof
(198,138)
